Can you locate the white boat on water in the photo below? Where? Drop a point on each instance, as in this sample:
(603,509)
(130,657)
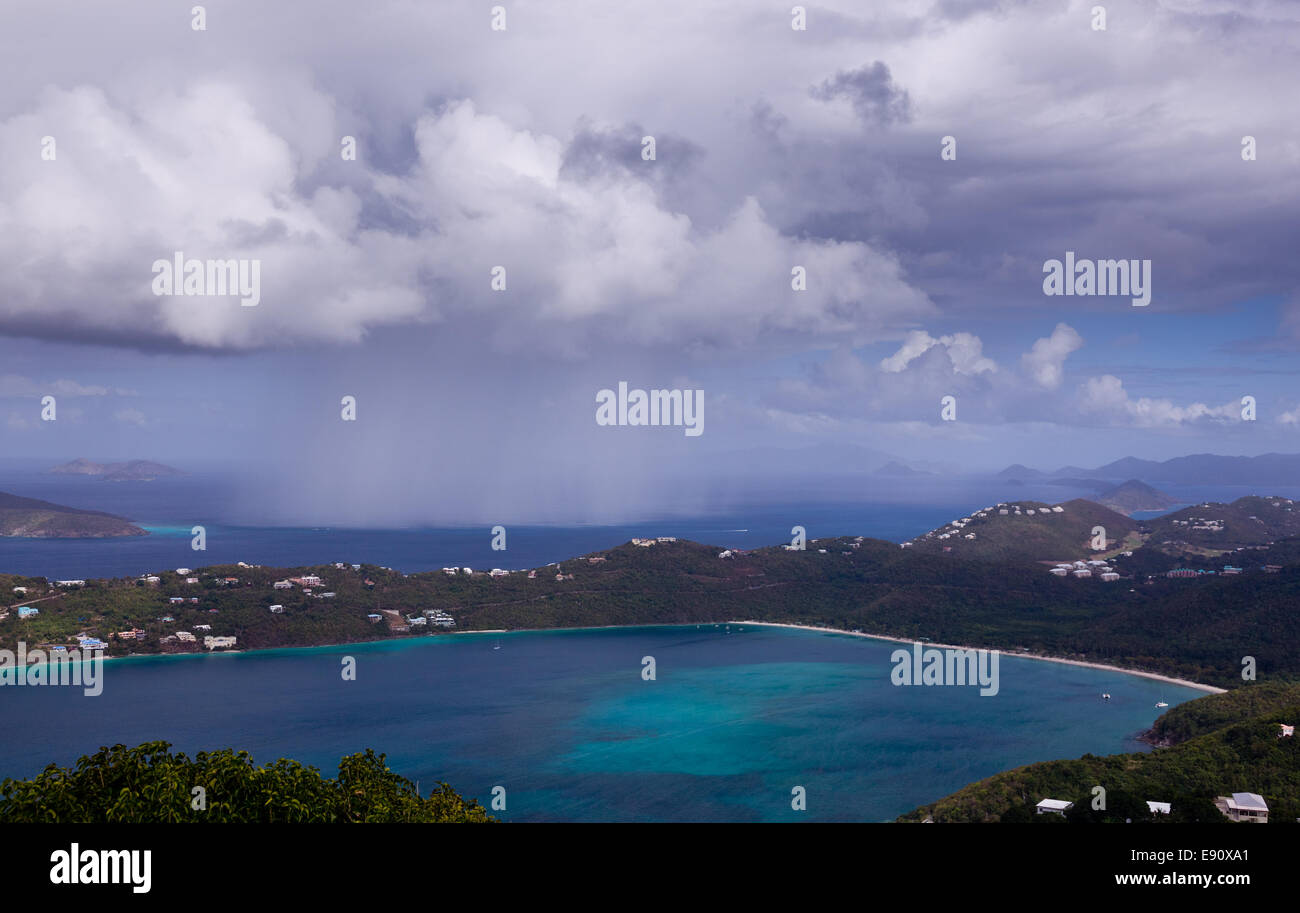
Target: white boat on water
(1161,704)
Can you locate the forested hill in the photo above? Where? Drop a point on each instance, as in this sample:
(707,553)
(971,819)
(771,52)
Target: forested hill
(1031,531)
(1228,743)
(1195,628)
(1213,527)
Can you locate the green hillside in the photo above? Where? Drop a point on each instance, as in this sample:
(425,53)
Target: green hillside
(1197,629)
(1029,531)
(1215,528)
(1231,744)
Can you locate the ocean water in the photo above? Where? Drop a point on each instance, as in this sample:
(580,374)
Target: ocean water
(564,721)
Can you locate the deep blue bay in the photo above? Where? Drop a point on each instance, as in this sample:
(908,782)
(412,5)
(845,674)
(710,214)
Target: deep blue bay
(564,721)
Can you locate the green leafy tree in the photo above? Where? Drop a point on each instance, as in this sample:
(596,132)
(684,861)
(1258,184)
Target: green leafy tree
(148,783)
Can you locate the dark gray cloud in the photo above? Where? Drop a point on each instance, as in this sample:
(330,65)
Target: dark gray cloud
(872,92)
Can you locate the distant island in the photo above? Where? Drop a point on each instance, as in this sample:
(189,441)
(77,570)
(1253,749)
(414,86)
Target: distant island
(1196,469)
(1134,496)
(897,470)
(30,518)
(131,471)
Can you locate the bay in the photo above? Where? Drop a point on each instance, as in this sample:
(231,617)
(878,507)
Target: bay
(563,720)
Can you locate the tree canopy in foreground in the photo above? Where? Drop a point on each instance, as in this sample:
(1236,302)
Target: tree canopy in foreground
(149,784)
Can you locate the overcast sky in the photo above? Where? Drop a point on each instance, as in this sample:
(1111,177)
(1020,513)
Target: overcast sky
(523,148)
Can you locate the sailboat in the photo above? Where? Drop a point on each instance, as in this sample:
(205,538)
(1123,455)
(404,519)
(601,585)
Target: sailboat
(1162,703)
(497,645)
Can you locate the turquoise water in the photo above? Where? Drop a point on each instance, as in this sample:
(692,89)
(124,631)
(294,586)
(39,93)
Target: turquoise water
(565,722)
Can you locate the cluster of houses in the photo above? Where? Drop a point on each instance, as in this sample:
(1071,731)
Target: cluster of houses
(1185,572)
(956,529)
(646,543)
(1201,523)
(435,617)
(306,582)
(1081,569)
(1249,807)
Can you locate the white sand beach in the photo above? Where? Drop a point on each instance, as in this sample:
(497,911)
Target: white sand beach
(1051,659)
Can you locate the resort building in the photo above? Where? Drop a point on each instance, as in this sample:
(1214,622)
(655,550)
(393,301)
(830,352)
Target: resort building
(1249,807)
(26,611)
(1158,808)
(217,643)
(1054,807)
(277,609)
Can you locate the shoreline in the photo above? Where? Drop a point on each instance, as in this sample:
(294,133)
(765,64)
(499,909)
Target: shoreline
(1210,689)
(1155,676)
